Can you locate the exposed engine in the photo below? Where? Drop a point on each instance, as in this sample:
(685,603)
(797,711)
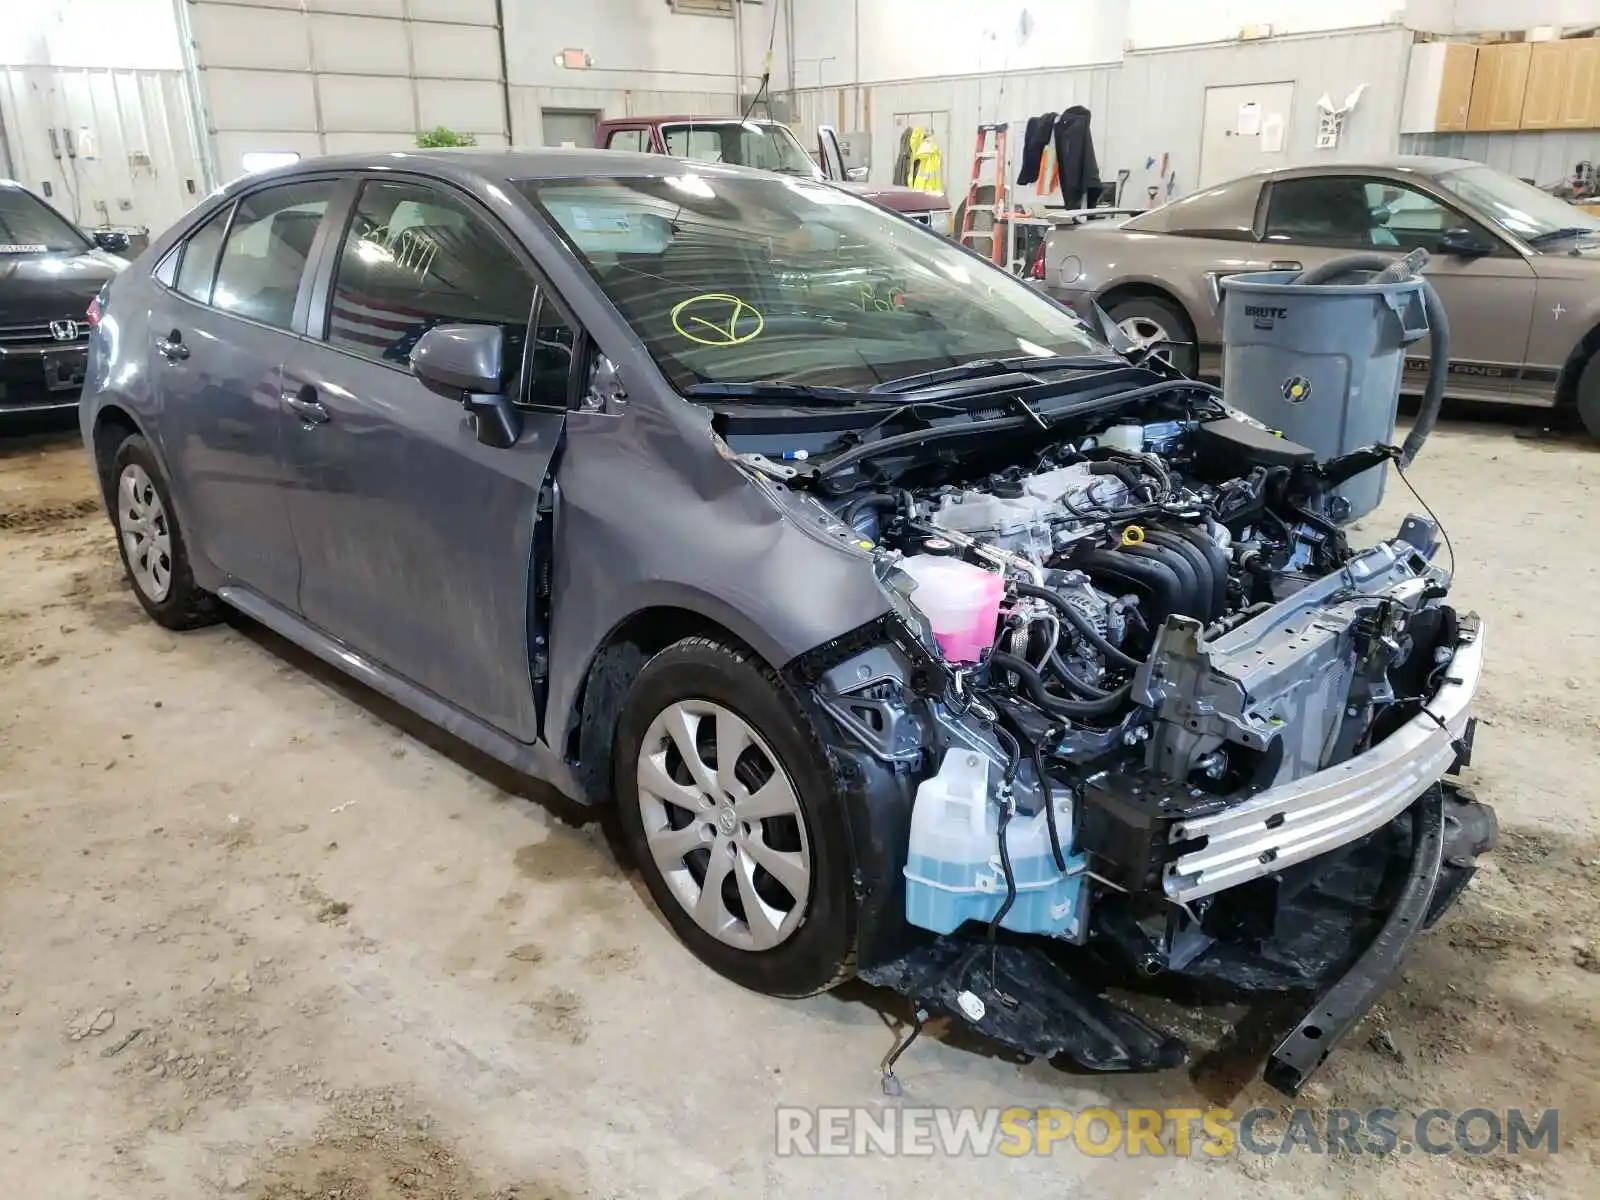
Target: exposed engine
(1156,621)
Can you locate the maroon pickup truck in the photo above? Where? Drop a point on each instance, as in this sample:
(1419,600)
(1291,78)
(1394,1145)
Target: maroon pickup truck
(770,146)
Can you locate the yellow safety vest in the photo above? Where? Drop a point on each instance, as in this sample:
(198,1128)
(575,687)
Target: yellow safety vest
(927,165)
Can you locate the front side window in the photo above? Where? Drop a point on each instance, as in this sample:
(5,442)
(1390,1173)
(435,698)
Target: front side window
(1366,214)
(740,143)
(1326,210)
(269,243)
(743,279)
(30,226)
(415,257)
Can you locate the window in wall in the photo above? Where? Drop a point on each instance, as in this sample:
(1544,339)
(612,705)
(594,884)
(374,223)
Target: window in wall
(265,257)
(415,257)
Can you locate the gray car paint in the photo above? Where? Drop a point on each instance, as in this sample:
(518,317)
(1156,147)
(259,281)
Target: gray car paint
(650,512)
(1522,322)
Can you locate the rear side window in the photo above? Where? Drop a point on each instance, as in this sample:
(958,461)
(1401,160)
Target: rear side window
(198,266)
(627,139)
(267,250)
(415,257)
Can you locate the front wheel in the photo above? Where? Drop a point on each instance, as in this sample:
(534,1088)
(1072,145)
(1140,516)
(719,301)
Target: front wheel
(727,803)
(1589,396)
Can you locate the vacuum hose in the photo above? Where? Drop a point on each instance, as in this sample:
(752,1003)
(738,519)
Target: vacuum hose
(1392,270)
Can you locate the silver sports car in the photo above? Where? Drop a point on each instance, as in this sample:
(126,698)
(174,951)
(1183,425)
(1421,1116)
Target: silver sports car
(1518,270)
(911,629)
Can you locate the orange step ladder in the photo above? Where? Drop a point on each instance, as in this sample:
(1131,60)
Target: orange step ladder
(970,234)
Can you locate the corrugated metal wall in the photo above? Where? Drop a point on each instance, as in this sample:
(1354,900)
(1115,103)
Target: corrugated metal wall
(314,79)
(1545,156)
(1159,100)
(1150,104)
(124,151)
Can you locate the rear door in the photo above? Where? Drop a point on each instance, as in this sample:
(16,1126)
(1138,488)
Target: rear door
(416,539)
(1489,299)
(219,334)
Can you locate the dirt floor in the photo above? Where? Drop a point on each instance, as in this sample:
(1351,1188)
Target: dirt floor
(263,936)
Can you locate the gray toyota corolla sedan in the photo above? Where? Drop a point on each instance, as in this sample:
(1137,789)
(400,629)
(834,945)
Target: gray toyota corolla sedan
(915,632)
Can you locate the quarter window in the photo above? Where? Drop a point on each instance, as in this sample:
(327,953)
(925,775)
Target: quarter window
(415,257)
(267,249)
(198,265)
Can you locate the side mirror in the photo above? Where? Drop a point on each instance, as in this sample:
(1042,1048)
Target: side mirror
(857,174)
(112,241)
(465,363)
(1464,244)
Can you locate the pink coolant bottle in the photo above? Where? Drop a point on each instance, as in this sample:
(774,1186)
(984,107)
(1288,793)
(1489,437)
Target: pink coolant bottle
(961,602)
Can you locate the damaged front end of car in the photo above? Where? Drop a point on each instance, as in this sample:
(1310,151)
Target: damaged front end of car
(1146,713)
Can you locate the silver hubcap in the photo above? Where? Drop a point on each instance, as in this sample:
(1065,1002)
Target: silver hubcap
(1143,330)
(722,821)
(142,521)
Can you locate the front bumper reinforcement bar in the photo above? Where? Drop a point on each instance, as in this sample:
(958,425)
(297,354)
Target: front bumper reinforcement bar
(1336,1012)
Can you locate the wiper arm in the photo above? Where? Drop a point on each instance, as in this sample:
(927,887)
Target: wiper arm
(1554,235)
(980,368)
(773,391)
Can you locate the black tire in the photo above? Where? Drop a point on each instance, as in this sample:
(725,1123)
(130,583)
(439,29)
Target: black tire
(1167,316)
(820,952)
(185,605)
(1588,397)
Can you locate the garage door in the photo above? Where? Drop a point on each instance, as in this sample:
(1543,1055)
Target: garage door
(308,77)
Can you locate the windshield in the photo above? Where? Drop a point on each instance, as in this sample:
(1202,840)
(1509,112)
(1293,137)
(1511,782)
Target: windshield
(1518,207)
(734,280)
(30,226)
(742,143)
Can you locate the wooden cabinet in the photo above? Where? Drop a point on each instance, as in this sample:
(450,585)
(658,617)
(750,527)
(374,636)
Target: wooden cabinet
(1499,86)
(1455,87)
(1438,87)
(1580,96)
(1549,69)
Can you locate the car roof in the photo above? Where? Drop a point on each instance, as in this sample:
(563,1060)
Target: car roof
(480,166)
(1420,164)
(698,118)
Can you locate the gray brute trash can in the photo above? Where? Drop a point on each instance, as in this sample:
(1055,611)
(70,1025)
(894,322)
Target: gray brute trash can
(1321,363)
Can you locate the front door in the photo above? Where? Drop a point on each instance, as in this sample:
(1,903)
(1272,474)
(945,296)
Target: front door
(1488,298)
(218,338)
(416,540)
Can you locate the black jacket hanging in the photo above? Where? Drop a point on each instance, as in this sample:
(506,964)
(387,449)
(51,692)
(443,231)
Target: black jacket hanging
(1037,136)
(1080,173)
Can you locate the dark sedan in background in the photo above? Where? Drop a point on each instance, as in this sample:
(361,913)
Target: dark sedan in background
(50,272)
(1518,269)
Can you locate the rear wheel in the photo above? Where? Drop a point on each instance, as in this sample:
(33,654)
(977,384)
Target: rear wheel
(151,544)
(727,802)
(1152,319)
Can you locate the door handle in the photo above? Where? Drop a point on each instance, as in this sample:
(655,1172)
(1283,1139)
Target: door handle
(305,405)
(1284,264)
(172,348)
